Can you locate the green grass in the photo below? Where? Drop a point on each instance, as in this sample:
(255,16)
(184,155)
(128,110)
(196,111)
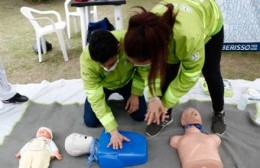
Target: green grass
(21,63)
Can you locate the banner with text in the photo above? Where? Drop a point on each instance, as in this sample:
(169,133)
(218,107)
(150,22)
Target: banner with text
(241,24)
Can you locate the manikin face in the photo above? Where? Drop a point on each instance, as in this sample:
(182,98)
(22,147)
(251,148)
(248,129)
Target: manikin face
(191,116)
(44,133)
(78,144)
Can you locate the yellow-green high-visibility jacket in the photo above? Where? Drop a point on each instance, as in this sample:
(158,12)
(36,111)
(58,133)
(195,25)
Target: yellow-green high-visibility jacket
(196,21)
(95,78)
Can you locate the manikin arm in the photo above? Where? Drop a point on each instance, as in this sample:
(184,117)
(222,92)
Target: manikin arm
(18,154)
(174,141)
(216,139)
(57,155)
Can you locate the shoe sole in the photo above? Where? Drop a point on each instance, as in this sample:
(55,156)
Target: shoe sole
(150,135)
(10,102)
(218,134)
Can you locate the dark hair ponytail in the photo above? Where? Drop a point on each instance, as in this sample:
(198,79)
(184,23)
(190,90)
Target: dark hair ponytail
(147,37)
(168,17)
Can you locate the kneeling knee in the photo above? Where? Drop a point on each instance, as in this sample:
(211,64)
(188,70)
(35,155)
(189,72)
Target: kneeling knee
(92,124)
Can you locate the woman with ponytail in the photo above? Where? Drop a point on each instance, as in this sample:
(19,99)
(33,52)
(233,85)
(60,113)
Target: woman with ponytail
(176,41)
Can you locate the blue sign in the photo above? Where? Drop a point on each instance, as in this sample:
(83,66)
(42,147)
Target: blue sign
(241,47)
(241,24)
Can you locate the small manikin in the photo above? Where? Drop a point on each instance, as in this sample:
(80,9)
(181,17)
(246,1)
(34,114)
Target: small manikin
(38,152)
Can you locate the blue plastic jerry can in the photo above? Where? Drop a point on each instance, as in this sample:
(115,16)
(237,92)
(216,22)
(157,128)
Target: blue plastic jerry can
(133,153)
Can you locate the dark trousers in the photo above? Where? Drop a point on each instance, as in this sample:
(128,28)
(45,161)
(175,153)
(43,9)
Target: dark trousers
(90,118)
(211,71)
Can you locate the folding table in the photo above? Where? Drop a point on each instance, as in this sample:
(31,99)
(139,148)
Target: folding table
(85,14)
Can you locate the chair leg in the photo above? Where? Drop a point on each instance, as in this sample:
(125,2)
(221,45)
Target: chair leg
(67,40)
(68,25)
(94,13)
(62,44)
(38,39)
(43,44)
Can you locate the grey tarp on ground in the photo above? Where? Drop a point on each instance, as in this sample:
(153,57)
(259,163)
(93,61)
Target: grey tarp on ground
(240,146)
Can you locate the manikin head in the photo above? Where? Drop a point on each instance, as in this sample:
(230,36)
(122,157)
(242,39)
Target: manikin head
(190,116)
(78,144)
(44,132)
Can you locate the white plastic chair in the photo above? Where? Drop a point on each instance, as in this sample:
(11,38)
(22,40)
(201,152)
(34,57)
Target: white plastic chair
(57,27)
(76,14)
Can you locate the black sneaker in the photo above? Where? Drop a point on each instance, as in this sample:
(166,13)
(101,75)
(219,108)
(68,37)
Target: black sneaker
(154,129)
(17,98)
(219,124)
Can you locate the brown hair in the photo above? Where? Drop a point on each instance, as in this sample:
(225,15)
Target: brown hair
(147,37)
